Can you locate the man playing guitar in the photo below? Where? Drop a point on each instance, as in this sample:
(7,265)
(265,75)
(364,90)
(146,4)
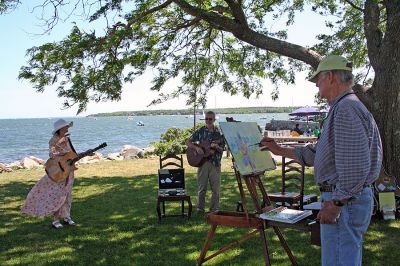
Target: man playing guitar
(210,170)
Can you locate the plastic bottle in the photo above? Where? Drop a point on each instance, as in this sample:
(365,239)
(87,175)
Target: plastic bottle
(317,132)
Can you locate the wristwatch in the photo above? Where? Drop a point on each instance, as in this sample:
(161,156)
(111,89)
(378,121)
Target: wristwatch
(338,203)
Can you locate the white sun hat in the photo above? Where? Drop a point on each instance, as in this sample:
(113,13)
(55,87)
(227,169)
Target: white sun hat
(60,123)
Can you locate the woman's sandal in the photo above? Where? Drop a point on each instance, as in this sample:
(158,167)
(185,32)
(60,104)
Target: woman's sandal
(56,224)
(69,221)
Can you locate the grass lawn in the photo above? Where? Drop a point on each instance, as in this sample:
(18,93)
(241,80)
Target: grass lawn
(114,204)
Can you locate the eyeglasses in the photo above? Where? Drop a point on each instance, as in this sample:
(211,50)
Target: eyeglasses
(209,119)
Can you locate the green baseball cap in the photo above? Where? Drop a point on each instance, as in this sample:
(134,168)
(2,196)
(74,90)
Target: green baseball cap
(331,62)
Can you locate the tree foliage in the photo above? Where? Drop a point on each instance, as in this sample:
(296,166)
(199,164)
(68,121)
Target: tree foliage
(229,43)
(8,5)
(201,43)
(173,141)
(168,38)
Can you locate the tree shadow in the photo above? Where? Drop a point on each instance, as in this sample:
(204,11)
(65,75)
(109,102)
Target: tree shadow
(118,225)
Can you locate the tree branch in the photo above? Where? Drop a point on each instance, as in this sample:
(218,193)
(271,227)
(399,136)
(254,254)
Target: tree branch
(186,24)
(133,20)
(364,93)
(221,9)
(354,6)
(237,11)
(252,37)
(392,34)
(150,11)
(372,31)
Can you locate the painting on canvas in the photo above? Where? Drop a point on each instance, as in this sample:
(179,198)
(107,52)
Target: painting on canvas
(242,139)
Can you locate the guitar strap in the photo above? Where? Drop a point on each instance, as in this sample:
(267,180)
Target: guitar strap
(72,146)
(73,149)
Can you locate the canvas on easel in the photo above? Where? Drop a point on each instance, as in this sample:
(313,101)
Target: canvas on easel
(242,139)
(250,163)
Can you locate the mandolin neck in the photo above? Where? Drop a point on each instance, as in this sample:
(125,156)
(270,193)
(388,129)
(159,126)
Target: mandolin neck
(86,153)
(80,156)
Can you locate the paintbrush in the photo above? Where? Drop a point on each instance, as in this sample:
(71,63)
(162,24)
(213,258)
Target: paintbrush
(258,143)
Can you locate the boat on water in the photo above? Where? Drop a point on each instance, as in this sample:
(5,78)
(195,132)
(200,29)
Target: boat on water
(203,117)
(140,123)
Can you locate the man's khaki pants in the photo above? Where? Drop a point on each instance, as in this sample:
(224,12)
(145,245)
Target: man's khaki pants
(208,172)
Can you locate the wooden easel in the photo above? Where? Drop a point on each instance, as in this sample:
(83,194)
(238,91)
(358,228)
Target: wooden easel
(246,220)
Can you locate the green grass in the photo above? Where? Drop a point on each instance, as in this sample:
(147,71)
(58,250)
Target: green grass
(114,204)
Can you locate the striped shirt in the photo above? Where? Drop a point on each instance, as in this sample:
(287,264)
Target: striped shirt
(348,154)
(213,136)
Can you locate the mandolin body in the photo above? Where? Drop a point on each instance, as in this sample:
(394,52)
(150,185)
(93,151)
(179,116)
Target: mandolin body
(59,168)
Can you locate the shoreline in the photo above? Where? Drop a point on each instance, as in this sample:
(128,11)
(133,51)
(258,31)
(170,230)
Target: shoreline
(127,152)
(89,132)
(224,111)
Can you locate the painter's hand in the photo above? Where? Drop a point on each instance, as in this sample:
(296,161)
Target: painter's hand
(267,143)
(329,213)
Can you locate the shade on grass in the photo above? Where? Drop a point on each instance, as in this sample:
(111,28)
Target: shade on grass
(115,208)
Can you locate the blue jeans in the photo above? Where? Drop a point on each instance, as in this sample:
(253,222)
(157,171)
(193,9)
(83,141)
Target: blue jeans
(341,242)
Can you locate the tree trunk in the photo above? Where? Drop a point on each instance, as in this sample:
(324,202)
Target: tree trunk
(384,56)
(386,110)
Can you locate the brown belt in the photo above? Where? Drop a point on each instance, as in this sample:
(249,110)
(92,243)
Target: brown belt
(331,188)
(327,188)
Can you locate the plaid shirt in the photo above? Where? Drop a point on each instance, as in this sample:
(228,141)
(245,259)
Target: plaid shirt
(348,154)
(213,136)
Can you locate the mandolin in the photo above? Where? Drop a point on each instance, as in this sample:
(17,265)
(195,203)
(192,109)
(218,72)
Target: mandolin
(59,168)
(386,183)
(196,159)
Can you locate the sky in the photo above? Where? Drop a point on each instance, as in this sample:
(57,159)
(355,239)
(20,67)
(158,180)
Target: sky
(18,99)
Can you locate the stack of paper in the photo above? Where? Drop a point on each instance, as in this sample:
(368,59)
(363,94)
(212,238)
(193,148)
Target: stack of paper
(285,215)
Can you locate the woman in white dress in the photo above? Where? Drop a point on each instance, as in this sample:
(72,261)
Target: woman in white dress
(50,198)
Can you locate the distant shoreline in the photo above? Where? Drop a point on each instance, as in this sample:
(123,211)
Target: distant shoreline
(240,110)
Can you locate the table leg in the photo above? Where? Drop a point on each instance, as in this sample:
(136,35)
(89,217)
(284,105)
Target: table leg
(158,210)
(264,246)
(285,245)
(190,208)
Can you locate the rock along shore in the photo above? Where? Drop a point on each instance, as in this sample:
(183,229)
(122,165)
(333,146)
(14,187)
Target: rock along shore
(127,152)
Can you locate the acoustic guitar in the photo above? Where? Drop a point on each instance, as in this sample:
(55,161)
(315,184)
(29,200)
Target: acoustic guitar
(386,183)
(59,168)
(197,159)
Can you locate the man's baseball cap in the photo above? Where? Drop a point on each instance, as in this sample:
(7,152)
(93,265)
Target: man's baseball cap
(332,62)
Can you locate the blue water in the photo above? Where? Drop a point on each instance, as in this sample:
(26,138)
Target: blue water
(24,137)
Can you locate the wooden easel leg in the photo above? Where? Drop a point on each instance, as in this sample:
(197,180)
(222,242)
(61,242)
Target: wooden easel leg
(285,245)
(183,208)
(242,197)
(264,246)
(210,235)
(253,193)
(276,229)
